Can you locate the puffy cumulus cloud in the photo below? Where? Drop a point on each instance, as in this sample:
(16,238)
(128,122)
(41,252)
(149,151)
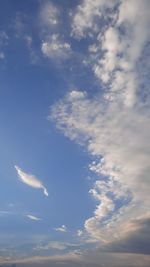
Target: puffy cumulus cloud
(62,228)
(113,125)
(122,43)
(33,218)
(55,48)
(86,16)
(30,180)
(116,136)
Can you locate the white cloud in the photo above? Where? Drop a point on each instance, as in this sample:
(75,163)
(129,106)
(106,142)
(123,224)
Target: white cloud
(63,228)
(121,136)
(33,218)
(54,47)
(86,15)
(3,38)
(49,14)
(53,44)
(113,125)
(79,232)
(30,180)
(119,47)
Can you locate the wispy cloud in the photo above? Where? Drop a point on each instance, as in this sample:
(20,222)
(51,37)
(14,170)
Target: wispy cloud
(33,218)
(30,180)
(49,15)
(52,245)
(53,46)
(63,228)
(2,55)
(5,213)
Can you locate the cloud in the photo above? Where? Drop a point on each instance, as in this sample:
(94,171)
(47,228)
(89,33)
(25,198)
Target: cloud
(135,237)
(3,38)
(121,45)
(2,55)
(79,232)
(55,260)
(5,213)
(63,228)
(89,258)
(30,180)
(49,14)
(53,44)
(85,18)
(54,47)
(99,259)
(113,125)
(33,218)
(52,245)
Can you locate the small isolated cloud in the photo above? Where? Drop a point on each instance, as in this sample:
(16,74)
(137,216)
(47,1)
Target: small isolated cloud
(79,232)
(2,55)
(33,218)
(63,228)
(54,47)
(30,180)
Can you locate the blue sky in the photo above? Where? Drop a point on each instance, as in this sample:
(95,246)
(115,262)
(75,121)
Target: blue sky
(74,111)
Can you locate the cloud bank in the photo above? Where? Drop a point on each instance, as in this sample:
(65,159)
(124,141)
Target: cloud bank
(114,124)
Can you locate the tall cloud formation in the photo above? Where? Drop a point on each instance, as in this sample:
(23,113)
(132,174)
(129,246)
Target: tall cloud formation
(30,180)
(114,124)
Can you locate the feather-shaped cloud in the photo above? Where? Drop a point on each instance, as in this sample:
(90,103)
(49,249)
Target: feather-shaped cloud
(30,180)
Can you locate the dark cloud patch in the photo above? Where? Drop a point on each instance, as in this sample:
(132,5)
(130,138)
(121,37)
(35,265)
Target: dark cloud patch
(136,240)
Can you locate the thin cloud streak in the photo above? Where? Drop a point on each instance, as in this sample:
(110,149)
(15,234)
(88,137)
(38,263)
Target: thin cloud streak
(33,218)
(63,228)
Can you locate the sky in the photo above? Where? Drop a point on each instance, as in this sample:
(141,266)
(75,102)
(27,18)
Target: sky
(75,128)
